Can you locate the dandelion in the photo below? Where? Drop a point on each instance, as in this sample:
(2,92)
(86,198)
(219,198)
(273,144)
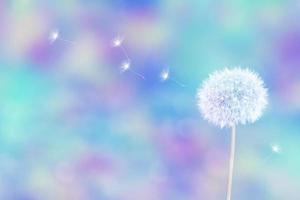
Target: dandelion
(231,97)
(165,75)
(54,35)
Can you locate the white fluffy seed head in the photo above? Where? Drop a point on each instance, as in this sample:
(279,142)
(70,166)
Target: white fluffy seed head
(231,97)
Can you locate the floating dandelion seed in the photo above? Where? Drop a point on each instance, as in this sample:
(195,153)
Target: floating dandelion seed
(54,35)
(126,66)
(231,97)
(117,41)
(276,148)
(165,75)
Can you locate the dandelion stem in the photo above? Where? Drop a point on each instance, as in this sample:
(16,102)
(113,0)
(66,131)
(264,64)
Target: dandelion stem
(231,162)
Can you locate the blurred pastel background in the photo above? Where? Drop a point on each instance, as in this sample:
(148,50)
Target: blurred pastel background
(72,127)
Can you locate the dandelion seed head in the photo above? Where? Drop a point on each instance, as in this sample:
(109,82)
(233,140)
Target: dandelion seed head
(125,66)
(231,97)
(117,41)
(53,36)
(164,75)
